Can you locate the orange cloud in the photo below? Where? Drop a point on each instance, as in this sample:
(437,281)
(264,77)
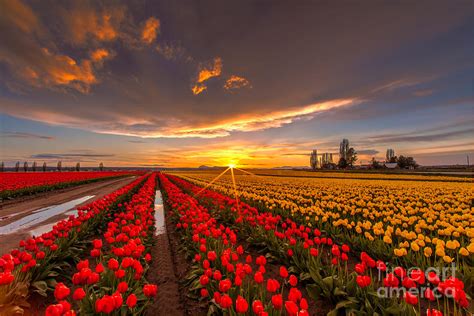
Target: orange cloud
(236,82)
(100,54)
(198,88)
(20,15)
(85,22)
(205,73)
(150,30)
(61,70)
(260,122)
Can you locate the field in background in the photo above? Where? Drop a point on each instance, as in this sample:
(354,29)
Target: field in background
(417,220)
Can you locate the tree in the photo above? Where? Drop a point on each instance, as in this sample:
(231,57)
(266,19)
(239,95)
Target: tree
(78,167)
(342,163)
(17,166)
(44,166)
(407,162)
(351,157)
(2,167)
(375,164)
(59,166)
(101,166)
(393,159)
(25,166)
(33,167)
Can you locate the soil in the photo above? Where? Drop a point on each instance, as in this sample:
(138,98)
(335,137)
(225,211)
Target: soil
(14,210)
(187,306)
(162,273)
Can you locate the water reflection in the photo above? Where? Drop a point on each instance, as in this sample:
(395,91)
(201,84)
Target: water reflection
(41,215)
(159,214)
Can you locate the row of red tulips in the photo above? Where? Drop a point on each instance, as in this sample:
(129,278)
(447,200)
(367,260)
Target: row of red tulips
(14,184)
(112,281)
(34,266)
(323,265)
(234,281)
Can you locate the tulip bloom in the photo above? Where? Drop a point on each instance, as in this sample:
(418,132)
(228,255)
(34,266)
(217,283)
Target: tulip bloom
(61,291)
(131,300)
(241,305)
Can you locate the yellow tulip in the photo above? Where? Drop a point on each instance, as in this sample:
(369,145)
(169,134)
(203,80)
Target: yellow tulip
(463,252)
(414,246)
(427,252)
(440,252)
(387,239)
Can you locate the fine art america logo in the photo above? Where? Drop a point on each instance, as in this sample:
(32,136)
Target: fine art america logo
(415,281)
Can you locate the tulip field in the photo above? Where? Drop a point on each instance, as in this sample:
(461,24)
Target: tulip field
(14,184)
(256,245)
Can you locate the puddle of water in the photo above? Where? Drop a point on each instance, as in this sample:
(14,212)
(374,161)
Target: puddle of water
(159,214)
(41,215)
(40,230)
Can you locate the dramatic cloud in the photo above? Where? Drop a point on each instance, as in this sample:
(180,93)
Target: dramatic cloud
(150,30)
(31,61)
(236,82)
(86,65)
(20,15)
(198,88)
(100,54)
(258,122)
(84,22)
(205,73)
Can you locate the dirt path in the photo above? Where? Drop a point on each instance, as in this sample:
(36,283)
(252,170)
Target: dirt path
(162,273)
(13,211)
(169,268)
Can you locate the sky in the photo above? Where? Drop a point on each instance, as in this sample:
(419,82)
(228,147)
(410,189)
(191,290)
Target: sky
(262,83)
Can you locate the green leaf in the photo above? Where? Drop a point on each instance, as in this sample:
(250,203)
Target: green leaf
(40,287)
(313,291)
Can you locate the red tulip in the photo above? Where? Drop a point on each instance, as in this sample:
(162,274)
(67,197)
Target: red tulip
(204,280)
(428,294)
(54,310)
(79,294)
(131,300)
(258,277)
(257,307)
(291,308)
(313,252)
(122,287)
(283,272)
(293,280)
(225,301)
(277,301)
(272,285)
(61,291)
(433,312)
(106,304)
(241,305)
(410,298)
(97,243)
(118,299)
(113,264)
(211,255)
(363,280)
(150,290)
(225,285)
